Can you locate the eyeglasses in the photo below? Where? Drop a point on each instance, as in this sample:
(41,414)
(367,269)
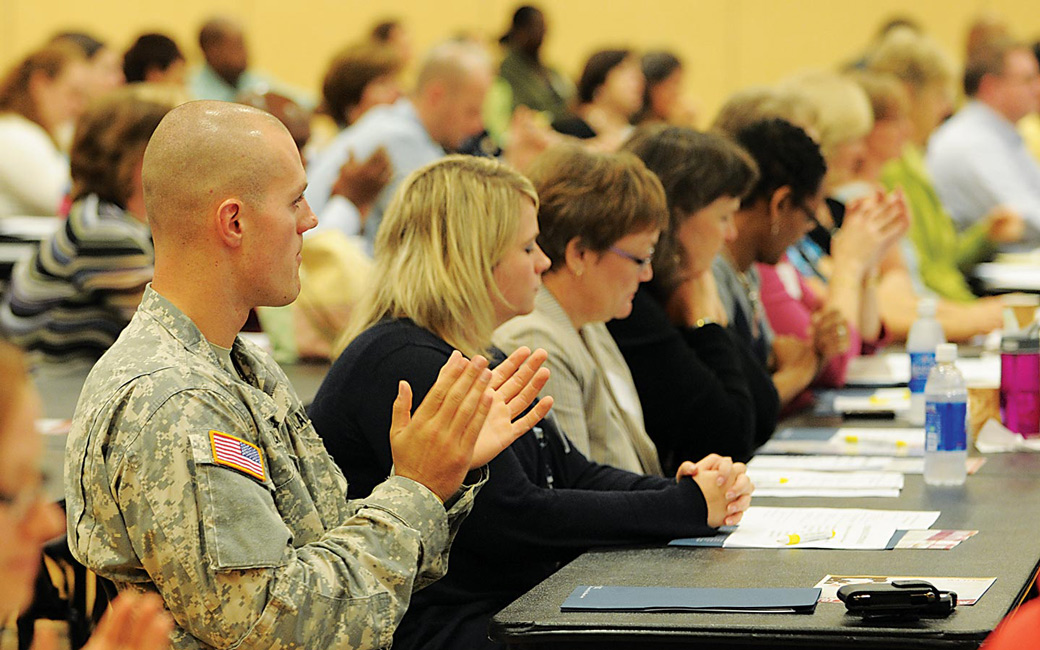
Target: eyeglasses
(20,504)
(810,214)
(641,262)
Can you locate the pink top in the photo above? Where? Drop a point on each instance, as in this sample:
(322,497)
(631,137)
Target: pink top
(789,303)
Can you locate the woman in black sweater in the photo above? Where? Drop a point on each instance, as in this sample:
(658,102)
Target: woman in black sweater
(702,391)
(456,256)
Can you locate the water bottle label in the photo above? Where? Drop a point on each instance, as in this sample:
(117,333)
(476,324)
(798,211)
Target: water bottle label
(921,363)
(944,426)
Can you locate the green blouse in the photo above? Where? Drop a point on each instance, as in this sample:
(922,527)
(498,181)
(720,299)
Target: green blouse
(944,254)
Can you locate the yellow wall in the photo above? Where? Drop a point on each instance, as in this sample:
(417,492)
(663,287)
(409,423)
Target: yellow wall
(727,44)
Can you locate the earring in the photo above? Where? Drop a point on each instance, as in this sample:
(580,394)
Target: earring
(776,228)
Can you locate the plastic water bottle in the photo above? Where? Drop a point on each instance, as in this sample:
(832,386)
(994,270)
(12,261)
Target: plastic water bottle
(925,334)
(946,410)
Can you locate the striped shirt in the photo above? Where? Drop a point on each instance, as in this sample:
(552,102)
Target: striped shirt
(74,295)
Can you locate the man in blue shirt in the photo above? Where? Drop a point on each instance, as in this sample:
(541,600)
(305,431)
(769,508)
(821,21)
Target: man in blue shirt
(443,112)
(977,159)
(226,76)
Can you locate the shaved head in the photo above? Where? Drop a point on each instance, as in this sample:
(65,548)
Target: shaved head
(223,187)
(203,153)
(450,91)
(454,63)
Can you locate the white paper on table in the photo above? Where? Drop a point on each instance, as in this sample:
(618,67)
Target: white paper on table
(893,368)
(828,482)
(1018,277)
(1030,257)
(996,438)
(839,463)
(878,370)
(903,441)
(968,590)
(906,465)
(827,493)
(853,441)
(984,369)
(882,400)
(855,528)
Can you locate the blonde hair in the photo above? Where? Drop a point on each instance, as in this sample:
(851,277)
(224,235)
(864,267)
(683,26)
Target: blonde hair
(843,110)
(887,94)
(756,103)
(915,59)
(447,227)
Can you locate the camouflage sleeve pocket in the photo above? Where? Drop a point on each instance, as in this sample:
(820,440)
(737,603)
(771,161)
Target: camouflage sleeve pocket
(241,527)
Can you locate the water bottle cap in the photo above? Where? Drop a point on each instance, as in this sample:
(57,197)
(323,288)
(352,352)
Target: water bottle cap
(1011,344)
(946,352)
(926,307)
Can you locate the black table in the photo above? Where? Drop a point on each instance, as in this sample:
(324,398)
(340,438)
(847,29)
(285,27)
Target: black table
(1002,501)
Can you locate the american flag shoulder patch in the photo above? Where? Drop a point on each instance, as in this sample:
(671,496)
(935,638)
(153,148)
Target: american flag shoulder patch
(237,454)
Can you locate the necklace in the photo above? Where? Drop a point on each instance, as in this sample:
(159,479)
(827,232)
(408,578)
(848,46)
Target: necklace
(751,293)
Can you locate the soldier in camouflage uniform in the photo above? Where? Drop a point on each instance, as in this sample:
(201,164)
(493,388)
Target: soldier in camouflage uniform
(192,469)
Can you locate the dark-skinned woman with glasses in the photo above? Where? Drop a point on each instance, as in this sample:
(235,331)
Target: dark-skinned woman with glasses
(824,289)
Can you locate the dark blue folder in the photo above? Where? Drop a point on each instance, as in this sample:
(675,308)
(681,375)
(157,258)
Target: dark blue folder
(691,599)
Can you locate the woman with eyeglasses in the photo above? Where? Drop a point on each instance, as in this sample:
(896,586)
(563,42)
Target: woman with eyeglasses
(456,257)
(700,388)
(28,521)
(599,218)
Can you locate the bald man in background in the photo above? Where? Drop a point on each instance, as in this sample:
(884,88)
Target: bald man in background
(978,160)
(192,469)
(442,113)
(226,75)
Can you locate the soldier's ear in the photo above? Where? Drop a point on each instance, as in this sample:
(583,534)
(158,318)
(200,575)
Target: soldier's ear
(229,225)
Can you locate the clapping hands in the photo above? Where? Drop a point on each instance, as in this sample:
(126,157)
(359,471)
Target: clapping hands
(466,419)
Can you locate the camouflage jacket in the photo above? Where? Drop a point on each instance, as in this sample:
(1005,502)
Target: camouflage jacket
(215,491)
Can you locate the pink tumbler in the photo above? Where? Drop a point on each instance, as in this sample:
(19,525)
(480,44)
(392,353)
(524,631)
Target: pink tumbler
(1020,384)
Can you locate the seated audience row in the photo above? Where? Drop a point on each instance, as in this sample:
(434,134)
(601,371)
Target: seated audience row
(256,545)
(694,286)
(909,93)
(71,298)
(545,501)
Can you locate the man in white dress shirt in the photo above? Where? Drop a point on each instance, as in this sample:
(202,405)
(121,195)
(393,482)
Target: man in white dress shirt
(977,159)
